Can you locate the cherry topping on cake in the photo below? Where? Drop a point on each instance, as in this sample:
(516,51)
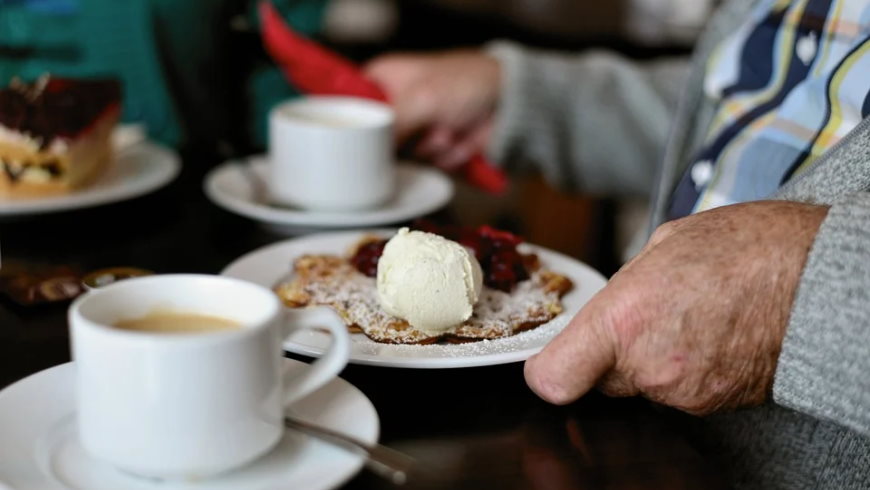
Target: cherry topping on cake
(367,255)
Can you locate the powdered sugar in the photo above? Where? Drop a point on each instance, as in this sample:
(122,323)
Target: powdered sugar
(333,281)
(537,337)
(266,267)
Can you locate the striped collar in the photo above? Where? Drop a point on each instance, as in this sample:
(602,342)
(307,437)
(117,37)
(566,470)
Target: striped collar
(788,84)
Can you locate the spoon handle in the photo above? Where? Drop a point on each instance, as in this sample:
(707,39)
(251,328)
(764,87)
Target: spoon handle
(382,460)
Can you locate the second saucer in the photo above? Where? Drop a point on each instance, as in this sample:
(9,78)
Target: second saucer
(239,187)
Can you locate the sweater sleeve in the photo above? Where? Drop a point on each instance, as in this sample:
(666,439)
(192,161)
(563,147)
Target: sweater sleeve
(594,122)
(824,365)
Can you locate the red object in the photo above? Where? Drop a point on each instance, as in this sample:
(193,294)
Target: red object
(317,70)
(500,236)
(367,256)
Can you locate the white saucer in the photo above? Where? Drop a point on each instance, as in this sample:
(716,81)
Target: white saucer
(39,448)
(268,265)
(239,187)
(137,170)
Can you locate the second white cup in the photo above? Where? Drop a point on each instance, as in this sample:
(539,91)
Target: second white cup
(331,153)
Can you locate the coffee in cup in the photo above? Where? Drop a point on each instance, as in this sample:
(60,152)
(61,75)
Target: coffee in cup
(177,322)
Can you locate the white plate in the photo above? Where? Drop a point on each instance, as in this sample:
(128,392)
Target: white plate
(239,187)
(39,448)
(272,263)
(137,170)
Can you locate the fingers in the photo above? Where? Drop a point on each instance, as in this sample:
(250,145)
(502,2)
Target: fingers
(456,89)
(573,362)
(456,157)
(470,143)
(415,112)
(401,77)
(449,149)
(435,143)
(391,71)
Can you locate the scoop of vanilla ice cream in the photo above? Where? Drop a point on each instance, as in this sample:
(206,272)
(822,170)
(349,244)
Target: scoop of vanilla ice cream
(431,282)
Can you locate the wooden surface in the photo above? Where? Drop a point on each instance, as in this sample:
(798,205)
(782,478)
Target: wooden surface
(477,428)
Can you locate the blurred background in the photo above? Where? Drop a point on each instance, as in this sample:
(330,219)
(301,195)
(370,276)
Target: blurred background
(196,76)
(601,227)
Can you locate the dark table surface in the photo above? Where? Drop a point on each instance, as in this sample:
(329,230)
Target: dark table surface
(475,428)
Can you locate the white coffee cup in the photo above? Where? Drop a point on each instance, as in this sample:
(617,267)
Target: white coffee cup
(331,153)
(190,405)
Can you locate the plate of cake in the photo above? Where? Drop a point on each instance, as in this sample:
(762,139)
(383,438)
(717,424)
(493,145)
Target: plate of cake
(60,148)
(430,297)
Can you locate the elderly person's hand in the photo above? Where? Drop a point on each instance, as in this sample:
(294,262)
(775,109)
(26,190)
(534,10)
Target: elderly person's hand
(696,320)
(446,100)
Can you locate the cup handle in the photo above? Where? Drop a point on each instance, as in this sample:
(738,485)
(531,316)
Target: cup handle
(325,368)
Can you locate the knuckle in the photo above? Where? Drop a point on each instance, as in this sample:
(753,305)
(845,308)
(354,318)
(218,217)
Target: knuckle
(384,67)
(663,231)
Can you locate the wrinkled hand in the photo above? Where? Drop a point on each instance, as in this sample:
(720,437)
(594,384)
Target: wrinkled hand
(696,320)
(446,100)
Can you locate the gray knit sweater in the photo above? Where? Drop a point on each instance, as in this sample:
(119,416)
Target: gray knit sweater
(599,123)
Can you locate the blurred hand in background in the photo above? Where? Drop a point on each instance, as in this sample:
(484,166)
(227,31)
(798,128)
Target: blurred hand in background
(444,102)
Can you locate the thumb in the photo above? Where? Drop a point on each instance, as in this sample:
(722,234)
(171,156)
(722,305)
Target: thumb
(576,359)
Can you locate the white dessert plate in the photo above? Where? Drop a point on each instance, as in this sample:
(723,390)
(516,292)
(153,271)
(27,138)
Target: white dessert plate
(39,447)
(268,265)
(239,187)
(137,170)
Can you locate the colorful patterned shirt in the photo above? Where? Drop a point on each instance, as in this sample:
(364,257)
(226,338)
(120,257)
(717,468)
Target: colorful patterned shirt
(788,85)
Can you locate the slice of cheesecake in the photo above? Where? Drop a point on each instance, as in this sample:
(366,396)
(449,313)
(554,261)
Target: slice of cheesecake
(55,134)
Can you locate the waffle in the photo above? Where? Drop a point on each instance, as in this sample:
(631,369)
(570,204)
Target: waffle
(332,280)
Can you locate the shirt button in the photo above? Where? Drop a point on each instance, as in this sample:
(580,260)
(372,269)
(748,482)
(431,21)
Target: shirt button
(806,47)
(701,174)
